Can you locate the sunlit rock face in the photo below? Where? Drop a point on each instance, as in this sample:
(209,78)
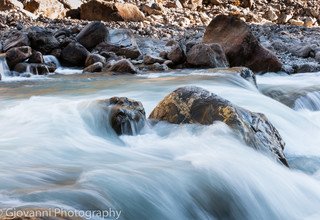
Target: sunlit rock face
(240,45)
(194,105)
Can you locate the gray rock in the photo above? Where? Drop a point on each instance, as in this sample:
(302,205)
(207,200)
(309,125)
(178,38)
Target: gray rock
(92,34)
(207,56)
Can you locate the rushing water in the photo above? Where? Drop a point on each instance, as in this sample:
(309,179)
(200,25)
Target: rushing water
(56,152)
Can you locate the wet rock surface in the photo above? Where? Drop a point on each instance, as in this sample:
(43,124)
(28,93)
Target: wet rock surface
(194,105)
(126,116)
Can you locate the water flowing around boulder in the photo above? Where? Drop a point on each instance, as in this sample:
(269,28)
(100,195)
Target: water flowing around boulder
(194,105)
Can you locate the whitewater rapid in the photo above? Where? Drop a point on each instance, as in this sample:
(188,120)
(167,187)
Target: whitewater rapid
(56,152)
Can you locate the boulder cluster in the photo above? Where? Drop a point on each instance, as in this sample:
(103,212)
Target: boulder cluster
(194,105)
(227,42)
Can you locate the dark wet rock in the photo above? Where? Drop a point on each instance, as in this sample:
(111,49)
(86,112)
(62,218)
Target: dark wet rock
(122,66)
(94,58)
(242,72)
(36,57)
(17,55)
(34,68)
(148,60)
(240,45)
(109,56)
(74,54)
(121,42)
(73,13)
(177,54)
(16,39)
(108,11)
(43,40)
(93,68)
(306,67)
(92,34)
(194,105)
(156,67)
(126,116)
(303,51)
(207,55)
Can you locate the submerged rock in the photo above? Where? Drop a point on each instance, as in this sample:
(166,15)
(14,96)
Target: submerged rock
(126,116)
(194,105)
(240,45)
(35,68)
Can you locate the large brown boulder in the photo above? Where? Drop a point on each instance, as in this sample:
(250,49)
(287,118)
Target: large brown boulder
(109,11)
(240,45)
(47,8)
(17,55)
(74,54)
(207,56)
(92,34)
(125,116)
(194,105)
(10,4)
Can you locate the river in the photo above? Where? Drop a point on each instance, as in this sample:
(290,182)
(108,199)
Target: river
(56,152)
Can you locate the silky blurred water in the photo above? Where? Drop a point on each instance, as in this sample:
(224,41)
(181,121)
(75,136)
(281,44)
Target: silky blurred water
(56,151)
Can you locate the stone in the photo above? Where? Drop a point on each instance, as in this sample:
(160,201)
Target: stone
(16,39)
(122,42)
(148,60)
(34,68)
(303,51)
(48,8)
(17,55)
(94,58)
(122,66)
(207,56)
(108,11)
(194,105)
(296,22)
(36,57)
(92,34)
(125,116)
(74,54)
(10,4)
(93,68)
(177,54)
(42,40)
(240,45)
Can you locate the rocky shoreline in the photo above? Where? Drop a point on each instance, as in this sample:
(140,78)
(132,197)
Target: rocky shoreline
(159,36)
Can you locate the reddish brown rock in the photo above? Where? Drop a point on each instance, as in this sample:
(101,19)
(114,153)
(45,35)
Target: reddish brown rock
(240,45)
(17,55)
(109,11)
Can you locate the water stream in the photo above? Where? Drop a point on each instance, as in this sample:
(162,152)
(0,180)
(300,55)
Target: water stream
(56,151)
